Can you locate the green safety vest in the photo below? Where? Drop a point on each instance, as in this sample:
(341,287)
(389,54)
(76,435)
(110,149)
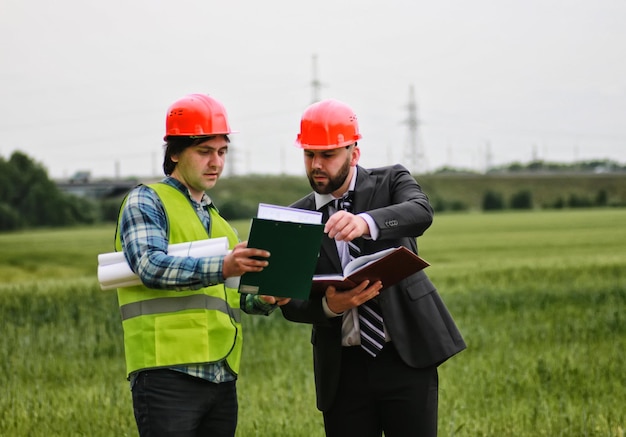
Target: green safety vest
(164,328)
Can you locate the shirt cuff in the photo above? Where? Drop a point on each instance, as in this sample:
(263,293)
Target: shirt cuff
(371,224)
(327,310)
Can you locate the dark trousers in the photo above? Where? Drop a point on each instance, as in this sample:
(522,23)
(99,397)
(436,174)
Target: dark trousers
(169,403)
(383,394)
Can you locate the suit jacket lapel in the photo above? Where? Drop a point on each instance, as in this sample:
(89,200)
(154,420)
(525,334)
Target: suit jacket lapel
(363,193)
(329,247)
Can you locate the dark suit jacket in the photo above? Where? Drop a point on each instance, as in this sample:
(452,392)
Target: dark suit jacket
(418,321)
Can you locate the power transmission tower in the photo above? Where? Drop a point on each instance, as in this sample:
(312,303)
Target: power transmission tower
(416,161)
(488,157)
(230,165)
(316,85)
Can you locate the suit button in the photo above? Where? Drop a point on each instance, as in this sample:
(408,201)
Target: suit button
(391,223)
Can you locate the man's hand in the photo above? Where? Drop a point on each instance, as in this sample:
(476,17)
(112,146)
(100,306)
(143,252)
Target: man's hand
(340,301)
(280,301)
(240,260)
(345,226)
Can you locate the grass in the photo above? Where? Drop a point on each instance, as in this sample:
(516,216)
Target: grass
(539,297)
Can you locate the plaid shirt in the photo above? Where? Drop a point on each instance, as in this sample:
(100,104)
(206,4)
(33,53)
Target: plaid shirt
(144,237)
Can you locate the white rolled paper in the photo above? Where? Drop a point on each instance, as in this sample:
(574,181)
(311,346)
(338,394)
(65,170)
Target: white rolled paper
(114,271)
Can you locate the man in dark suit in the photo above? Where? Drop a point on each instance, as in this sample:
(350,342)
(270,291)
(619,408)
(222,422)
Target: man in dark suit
(361,390)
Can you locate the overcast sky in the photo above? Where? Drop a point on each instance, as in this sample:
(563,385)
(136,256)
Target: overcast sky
(85,84)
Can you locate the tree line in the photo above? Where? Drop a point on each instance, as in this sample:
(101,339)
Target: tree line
(29,199)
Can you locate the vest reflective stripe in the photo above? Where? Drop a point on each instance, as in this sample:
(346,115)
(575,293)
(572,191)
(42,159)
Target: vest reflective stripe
(173,304)
(165,327)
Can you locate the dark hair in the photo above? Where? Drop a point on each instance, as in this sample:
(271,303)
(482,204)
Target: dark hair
(175,145)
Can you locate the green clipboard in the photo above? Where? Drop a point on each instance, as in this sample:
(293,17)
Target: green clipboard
(294,249)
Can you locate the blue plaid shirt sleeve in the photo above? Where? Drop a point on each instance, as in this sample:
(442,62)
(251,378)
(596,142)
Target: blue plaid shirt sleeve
(143,233)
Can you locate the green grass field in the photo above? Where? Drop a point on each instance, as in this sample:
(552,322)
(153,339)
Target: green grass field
(539,297)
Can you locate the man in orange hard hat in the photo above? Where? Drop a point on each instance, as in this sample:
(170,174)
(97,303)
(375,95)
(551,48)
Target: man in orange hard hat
(376,349)
(182,326)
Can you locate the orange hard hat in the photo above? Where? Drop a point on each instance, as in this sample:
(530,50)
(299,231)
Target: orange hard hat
(328,124)
(196,115)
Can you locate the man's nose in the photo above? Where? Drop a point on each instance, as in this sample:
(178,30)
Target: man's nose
(215,160)
(316,162)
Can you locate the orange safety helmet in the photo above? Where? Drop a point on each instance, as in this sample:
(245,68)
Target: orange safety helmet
(328,124)
(196,115)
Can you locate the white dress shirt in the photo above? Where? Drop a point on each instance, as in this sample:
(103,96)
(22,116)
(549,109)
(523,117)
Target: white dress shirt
(350,330)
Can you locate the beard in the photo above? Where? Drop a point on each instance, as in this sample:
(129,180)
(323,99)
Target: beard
(334,182)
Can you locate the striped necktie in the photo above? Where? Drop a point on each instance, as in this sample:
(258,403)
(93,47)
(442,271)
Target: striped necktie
(370,314)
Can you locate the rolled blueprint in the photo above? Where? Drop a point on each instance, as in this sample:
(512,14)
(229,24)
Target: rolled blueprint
(114,271)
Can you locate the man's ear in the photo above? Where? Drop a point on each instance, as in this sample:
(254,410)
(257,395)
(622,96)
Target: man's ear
(356,154)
